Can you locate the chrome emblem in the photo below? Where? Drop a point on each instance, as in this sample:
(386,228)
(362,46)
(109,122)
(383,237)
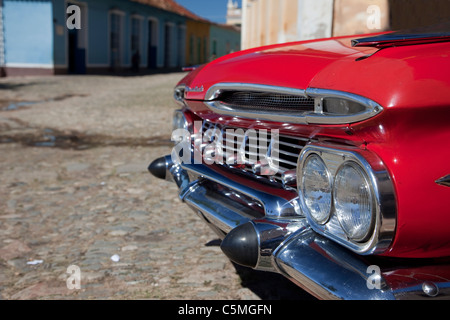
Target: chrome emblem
(195,89)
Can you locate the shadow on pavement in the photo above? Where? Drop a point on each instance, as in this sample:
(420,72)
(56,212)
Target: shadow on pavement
(267,285)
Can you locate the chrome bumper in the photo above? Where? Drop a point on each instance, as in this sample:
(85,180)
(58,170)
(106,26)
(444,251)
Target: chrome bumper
(262,229)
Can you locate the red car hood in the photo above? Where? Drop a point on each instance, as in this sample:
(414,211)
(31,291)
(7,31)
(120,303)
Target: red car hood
(394,76)
(289,65)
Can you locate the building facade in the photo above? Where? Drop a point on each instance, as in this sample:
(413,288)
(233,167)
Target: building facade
(197,47)
(234,14)
(113,35)
(267,22)
(224,39)
(276,21)
(2,43)
(99,36)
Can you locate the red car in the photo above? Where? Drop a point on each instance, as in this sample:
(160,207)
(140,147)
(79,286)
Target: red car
(327,161)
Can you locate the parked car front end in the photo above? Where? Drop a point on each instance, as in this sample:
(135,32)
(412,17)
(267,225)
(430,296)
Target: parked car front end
(326,161)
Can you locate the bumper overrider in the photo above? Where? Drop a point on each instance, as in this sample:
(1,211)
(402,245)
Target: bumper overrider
(262,227)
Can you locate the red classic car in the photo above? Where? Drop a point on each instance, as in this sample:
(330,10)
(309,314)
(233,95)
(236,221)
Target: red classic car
(327,161)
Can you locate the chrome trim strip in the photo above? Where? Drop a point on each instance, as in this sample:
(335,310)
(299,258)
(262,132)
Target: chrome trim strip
(404,38)
(328,271)
(216,212)
(444,181)
(215,90)
(322,93)
(382,191)
(315,117)
(217,107)
(307,258)
(372,108)
(275,206)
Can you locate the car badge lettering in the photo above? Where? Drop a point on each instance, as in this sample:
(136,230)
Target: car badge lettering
(195,89)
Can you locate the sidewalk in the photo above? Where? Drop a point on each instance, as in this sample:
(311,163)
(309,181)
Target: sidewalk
(75,191)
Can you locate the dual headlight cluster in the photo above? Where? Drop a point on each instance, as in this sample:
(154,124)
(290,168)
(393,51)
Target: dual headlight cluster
(340,195)
(348,192)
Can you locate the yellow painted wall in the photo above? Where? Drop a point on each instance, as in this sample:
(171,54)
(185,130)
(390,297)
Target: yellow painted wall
(197,42)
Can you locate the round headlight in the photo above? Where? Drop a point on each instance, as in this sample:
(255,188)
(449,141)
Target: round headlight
(353,201)
(179,121)
(316,188)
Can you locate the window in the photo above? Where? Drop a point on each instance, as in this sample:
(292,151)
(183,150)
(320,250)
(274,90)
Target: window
(214,48)
(205,50)
(168,54)
(136,25)
(192,50)
(152,43)
(199,51)
(115,39)
(135,35)
(181,45)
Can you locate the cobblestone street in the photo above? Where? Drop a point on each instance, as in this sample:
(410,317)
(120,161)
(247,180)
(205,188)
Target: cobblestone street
(75,190)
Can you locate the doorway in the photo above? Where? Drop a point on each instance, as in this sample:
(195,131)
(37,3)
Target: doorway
(115,41)
(152,41)
(77,43)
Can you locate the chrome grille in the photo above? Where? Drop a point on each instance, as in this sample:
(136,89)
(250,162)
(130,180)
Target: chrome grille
(266,101)
(254,147)
(286,104)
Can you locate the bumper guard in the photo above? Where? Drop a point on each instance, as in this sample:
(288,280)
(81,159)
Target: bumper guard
(264,231)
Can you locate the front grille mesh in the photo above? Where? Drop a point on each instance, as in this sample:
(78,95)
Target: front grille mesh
(249,100)
(254,146)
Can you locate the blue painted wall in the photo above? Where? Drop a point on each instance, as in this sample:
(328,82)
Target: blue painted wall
(59,29)
(36,35)
(28,32)
(97,25)
(224,40)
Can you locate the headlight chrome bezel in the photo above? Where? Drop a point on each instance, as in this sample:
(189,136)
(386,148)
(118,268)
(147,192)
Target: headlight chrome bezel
(179,121)
(178,93)
(370,201)
(325,216)
(383,226)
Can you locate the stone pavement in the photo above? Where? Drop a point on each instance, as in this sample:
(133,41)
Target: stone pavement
(75,191)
